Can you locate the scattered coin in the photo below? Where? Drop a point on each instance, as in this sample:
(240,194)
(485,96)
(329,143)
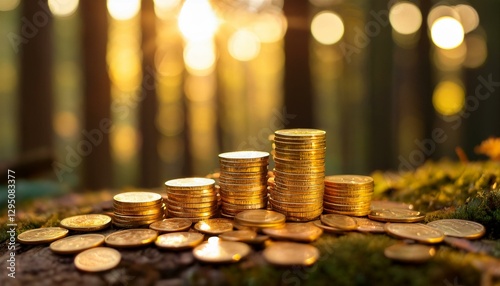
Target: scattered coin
(459,228)
(88,222)
(416,231)
(368,225)
(179,240)
(328,228)
(291,253)
(216,251)
(339,221)
(260,218)
(416,253)
(213,226)
(396,215)
(171,225)
(77,243)
(131,237)
(97,259)
(239,235)
(42,235)
(305,232)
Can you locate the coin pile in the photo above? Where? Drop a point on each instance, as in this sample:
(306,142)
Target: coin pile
(243,181)
(348,195)
(135,209)
(297,189)
(191,198)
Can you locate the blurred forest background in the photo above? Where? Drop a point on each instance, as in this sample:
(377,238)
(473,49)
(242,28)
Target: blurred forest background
(97,94)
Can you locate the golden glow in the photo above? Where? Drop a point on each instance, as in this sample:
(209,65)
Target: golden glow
(124,142)
(7,5)
(200,89)
(270,27)
(327,28)
(63,8)
(123,9)
(165,8)
(468,17)
(197,20)
(441,11)
(213,240)
(447,33)
(244,45)
(170,119)
(476,51)
(448,98)
(405,18)
(124,68)
(199,57)
(451,59)
(65,124)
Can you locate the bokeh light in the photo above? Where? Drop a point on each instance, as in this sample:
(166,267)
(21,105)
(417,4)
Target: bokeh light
(65,124)
(63,8)
(124,142)
(477,51)
(448,98)
(405,18)
(7,5)
(447,33)
(244,45)
(165,7)
(468,17)
(123,9)
(270,26)
(450,59)
(199,57)
(327,28)
(197,20)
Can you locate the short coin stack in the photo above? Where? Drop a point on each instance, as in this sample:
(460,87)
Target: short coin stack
(134,209)
(299,157)
(348,194)
(243,181)
(191,198)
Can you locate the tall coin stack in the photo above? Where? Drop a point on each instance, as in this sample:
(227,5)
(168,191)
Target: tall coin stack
(348,194)
(134,209)
(297,188)
(243,181)
(191,198)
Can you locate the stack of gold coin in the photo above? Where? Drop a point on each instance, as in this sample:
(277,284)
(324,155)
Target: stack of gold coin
(191,198)
(134,209)
(348,195)
(243,181)
(297,188)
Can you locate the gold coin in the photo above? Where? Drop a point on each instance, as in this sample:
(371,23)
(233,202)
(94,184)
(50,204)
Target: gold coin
(299,133)
(306,232)
(97,259)
(188,193)
(76,243)
(416,253)
(339,221)
(244,207)
(349,213)
(459,228)
(213,226)
(328,228)
(416,231)
(290,254)
(216,251)
(137,198)
(144,212)
(171,225)
(188,199)
(390,205)
(192,205)
(131,218)
(179,240)
(261,218)
(396,215)
(238,235)
(200,215)
(131,237)
(244,156)
(356,180)
(211,209)
(88,222)
(42,235)
(368,225)
(136,224)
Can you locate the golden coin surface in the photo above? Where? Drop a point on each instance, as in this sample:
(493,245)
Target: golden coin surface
(244,155)
(459,228)
(416,231)
(213,226)
(291,253)
(238,235)
(217,251)
(328,228)
(305,232)
(396,215)
(88,222)
(299,132)
(171,225)
(138,198)
(190,183)
(339,221)
(376,205)
(42,235)
(259,218)
(348,180)
(76,243)
(368,225)
(97,259)
(131,237)
(416,253)
(179,240)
